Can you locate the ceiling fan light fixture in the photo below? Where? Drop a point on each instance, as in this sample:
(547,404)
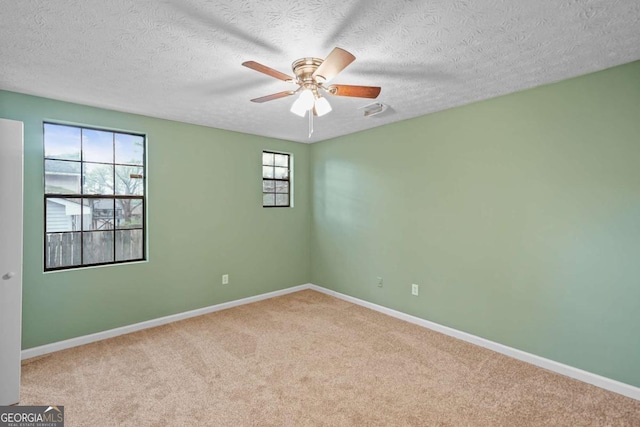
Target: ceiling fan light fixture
(298,109)
(322,106)
(303,104)
(306,99)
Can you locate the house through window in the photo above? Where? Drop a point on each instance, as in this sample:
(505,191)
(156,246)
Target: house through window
(94,196)
(276,184)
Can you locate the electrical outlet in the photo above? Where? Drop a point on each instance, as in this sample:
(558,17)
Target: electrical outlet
(225,279)
(379,282)
(415,289)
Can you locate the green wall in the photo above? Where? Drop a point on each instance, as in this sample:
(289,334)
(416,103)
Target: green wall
(519,217)
(205,218)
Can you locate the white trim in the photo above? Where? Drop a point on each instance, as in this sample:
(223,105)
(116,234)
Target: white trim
(98,336)
(560,368)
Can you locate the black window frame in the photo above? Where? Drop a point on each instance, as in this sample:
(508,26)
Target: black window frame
(287,180)
(81,231)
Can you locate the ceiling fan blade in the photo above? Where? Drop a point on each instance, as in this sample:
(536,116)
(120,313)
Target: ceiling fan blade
(356,91)
(337,61)
(274,96)
(268,71)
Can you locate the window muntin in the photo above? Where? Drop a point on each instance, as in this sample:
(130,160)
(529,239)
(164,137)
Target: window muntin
(94,196)
(276,182)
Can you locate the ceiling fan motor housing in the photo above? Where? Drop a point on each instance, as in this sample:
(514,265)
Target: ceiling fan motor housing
(304,68)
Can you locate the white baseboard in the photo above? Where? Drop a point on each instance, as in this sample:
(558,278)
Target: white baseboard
(98,336)
(560,368)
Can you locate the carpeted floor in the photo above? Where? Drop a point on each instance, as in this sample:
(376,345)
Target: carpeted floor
(308,359)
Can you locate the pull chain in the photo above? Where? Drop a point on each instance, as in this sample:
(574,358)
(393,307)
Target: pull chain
(310,122)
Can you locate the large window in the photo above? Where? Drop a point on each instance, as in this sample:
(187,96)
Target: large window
(276,185)
(94,196)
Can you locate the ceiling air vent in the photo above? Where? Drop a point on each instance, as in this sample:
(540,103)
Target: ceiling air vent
(373,109)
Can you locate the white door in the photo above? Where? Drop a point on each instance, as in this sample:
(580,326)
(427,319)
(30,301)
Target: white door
(10,259)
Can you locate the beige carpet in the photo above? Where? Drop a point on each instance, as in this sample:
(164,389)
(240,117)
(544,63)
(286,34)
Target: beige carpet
(308,359)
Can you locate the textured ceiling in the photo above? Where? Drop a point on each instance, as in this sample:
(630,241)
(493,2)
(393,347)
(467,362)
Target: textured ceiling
(181,60)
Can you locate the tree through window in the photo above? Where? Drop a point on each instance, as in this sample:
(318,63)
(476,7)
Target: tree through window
(94,196)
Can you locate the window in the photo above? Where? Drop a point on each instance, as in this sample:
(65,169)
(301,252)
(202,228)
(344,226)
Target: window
(276,185)
(94,197)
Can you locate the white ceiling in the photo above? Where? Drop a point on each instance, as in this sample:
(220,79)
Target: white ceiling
(181,60)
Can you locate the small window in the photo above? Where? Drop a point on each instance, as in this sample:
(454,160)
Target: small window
(276,184)
(94,197)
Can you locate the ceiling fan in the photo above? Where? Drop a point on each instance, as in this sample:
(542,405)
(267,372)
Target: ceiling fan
(312,76)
